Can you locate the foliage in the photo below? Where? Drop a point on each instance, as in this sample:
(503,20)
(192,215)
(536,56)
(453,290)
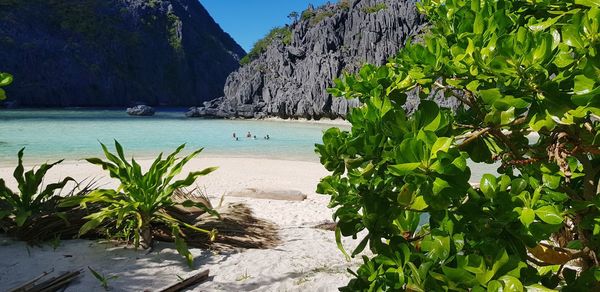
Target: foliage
(173,27)
(307,14)
(344,4)
(282,33)
(32,197)
(518,68)
(142,198)
(293,16)
(5,80)
(375,8)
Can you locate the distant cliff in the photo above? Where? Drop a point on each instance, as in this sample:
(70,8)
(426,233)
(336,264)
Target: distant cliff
(113,52)
(288,74)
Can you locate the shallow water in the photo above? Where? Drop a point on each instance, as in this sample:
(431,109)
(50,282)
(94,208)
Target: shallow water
(75,134)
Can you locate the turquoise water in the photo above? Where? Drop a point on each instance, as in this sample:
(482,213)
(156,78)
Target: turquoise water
(75,134)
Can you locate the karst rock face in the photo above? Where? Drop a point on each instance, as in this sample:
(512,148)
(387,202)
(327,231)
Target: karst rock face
(289,79)
(113,52)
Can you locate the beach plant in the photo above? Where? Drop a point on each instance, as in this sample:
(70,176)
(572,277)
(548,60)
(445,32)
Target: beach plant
(103,279)
(142,198)
(5,80)
(525,78)
(32,198)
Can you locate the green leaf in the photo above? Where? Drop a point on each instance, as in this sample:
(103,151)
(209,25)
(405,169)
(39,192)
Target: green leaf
(588,3)
(21,217)
(488,185)
(540,26)
(419,204)
(551,181)
(403,168)
(549,215)
(5,79)
(489,96)
(338,241)
(571,36)
(511,284)
(527,216)
(583,85)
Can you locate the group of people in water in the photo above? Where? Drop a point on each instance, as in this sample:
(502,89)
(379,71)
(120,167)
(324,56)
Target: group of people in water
(249,136)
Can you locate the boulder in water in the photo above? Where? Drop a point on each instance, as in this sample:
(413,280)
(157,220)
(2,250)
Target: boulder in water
(140,110)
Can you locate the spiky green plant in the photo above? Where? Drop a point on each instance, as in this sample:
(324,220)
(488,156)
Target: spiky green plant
(142,198)
(32,198)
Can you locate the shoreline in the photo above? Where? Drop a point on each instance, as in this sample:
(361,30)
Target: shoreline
(183,110)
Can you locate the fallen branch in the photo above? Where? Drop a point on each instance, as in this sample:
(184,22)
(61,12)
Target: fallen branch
(49,285)
(186,283)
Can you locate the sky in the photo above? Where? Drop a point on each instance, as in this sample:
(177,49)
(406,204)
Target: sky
(249,20)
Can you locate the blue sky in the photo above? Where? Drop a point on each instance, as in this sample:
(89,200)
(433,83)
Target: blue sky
(249,20)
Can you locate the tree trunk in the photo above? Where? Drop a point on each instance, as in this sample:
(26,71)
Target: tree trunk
(146,237)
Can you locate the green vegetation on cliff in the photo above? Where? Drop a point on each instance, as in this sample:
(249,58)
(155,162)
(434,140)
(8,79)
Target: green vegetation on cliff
(282,33)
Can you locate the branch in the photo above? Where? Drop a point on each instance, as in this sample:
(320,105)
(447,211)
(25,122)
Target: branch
(451,92)
(472,136)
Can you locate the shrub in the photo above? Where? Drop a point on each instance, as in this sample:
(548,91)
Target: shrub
(307,14)
(32,198)
(5,80)
(518,68)
(375,8)
(142,198)
(282,33)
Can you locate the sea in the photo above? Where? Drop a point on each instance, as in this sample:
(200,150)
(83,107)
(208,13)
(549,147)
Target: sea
(76,134)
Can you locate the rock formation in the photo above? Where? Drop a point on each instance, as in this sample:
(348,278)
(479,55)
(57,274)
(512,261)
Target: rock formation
(290,77)
(113,52)
(140,110)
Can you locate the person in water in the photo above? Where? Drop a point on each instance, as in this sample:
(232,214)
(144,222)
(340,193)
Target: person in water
(234,136)
(267,137)
(248,135)
(254,137)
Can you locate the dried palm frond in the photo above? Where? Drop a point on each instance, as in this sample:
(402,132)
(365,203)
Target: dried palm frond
(237,225)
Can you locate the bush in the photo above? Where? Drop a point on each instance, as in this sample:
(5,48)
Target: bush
(307,14)
(518,68)
(5,80)
(143,198)
(282,33)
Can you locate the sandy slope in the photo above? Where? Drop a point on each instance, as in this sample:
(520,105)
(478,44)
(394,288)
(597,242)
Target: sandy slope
(307,259)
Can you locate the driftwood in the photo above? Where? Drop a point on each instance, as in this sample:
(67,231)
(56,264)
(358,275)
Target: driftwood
(188,282)
(52,284)
(269,194)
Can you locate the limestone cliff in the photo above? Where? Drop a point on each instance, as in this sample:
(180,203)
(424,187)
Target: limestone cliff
(113,52)
(290,76)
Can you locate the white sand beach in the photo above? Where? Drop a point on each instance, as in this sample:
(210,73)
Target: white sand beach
(306,260)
